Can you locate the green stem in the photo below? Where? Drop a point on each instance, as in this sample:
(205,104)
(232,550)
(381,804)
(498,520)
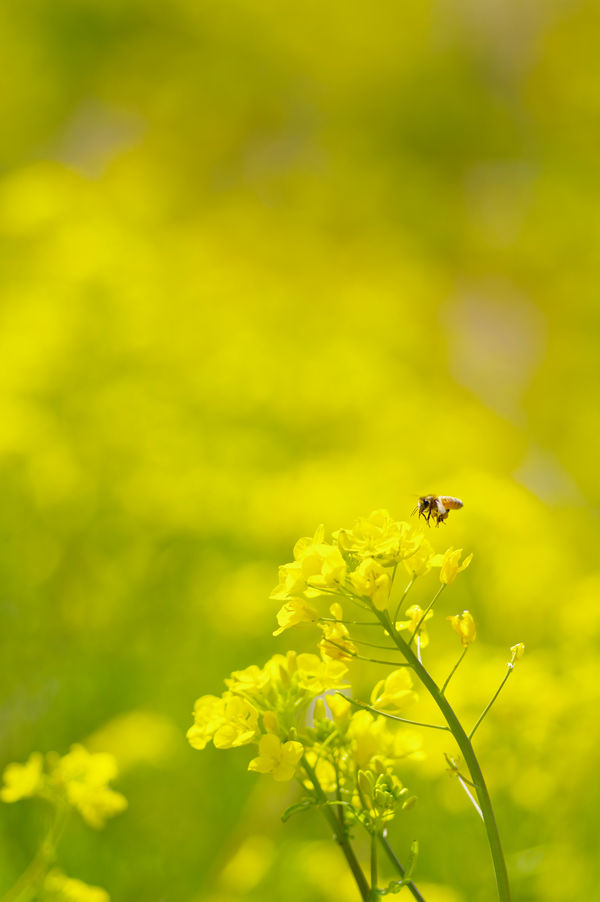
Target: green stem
(28,883)
(414,723)
(404,594)
(425,613)
(374,893)
(467,751)
(338,791)
(339,833)
(395,861)
(491,702)
(372,644)
(347,622)
(454,669)
(355,654)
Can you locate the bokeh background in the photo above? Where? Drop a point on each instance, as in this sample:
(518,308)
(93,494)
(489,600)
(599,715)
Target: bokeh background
(265,265)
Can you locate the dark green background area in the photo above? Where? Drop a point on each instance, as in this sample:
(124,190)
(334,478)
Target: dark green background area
(266,265)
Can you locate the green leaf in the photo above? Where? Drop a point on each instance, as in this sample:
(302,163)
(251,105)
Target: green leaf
(295,809)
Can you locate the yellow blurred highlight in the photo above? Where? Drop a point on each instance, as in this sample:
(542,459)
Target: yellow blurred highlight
(247,867)
(138,737)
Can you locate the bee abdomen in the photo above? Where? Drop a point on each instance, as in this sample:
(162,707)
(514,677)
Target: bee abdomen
(451,503)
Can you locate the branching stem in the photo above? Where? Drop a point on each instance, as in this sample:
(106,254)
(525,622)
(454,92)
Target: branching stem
(339,833)
(454,669)
(415,723)
(492,700)
(395,861)
(464,743)
(28,884)
(425,613)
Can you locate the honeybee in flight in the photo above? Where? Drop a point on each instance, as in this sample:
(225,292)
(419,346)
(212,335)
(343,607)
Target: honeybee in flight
(437,506)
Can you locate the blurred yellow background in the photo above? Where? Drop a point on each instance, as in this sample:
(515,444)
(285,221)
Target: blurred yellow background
(266,265)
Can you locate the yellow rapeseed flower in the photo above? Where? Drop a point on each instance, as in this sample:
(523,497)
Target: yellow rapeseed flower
(60,888)
(450,567)
(22,780)
(209,715)
(277,758)
(251,679)
(291,581)
(270,722)
(422,560)
(369,735)
(341,710)
(302,545)
(323,567)
(380,537)
(464,625)
(281,668)
(294,611)
(395,691)
(84,778)
(240,724)
(336,642)
(317,565)
(372,580)
(415,612)
(317,675)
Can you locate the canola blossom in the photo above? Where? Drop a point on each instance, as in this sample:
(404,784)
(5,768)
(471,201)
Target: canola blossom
(450,567)
(395,691)
(83,778)
(60,888)
(417,618)
(76,781)
(464,625)
(22,780)
(280,759)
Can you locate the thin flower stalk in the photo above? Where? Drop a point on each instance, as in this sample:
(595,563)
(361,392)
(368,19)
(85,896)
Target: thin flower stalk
(340,833)
(413,890)
(491,701)
(454,669)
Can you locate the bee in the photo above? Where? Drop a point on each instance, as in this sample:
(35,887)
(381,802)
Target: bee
(437,506)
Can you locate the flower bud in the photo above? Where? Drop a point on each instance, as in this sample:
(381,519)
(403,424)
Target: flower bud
(365,783)
(270,722)
(320,712)
(518,651)
(464,625)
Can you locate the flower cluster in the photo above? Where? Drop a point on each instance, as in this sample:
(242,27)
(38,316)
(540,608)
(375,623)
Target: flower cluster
(359,564)
(382,796)
(78,779)
(297,709)
(344,743)
(269,706)
(58,887)
(264,705)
